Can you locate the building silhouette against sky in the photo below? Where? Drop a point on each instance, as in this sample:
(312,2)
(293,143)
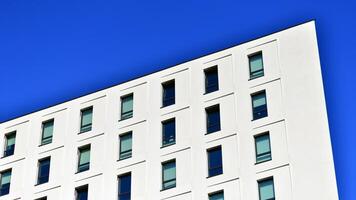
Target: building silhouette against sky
(244,123)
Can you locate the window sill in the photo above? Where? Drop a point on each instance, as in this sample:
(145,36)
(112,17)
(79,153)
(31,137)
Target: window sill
(81,171)
(40,184)
(121,159)
(120,120)
(214,175)
(6,156)
(84,131)
(167,145)
(258,118)
(41,145)
(165,189)
(256,163)
(253,78)
(212,132)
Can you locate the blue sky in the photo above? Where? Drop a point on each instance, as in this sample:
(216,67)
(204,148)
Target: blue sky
(52,51)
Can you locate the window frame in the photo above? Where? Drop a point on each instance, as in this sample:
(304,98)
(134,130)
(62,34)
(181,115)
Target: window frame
(215,193)
(6,138)
(9,187)
(129,113)
(162,175)
(81,188)
(253,108)
(270,147)
(171,100)
(38,182)
(251,76)
(42,143)
(163,123)
(209,150)
(119,184)
(120,139)
(88,127)
(206,86)
(209,127)
(264,180)
(84,147)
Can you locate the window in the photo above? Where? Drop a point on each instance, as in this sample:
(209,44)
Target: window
(168,174)
(124,187)
(81,193)
(217,196)
(259,105)
(256,65)
(84,159)
(126,107)
(86,121)
(5,179)
(266,189)
(212,119)
(168,93)
(168,132)
(47,132)
(215,164)
(125,145)
(9,144)
(42,198)
(211,79)
(263,148)
(43,170)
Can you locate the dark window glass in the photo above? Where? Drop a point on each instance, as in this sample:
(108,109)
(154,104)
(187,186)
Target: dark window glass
(127,107)
(263,148)
(43,170)
(213,119)
(125,187)
(84,159)
(217,196)
(215,164)
(168,132)
(5,180)
(168,93)
(82,193)
(47,132)
(10,139)
(256,65)
(211,79)
(266,189)
(86,119)
(42,198)
(125,146)
(168,174)
(259,105)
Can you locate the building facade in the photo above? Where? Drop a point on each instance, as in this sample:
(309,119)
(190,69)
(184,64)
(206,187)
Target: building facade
(245,123)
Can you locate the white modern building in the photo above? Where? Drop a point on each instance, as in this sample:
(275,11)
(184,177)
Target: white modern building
(244,123)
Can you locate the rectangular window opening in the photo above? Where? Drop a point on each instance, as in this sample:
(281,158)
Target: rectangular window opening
(213,119)
(211,79)
(168,132)
(168,97)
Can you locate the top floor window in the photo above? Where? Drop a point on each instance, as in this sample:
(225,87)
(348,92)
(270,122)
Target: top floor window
(211,79)
(126,107)
(168,97)
(10,139)
(256,65)
(86,119)
(47,132)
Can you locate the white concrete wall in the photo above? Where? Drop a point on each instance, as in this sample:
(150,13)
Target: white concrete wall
(302,163)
